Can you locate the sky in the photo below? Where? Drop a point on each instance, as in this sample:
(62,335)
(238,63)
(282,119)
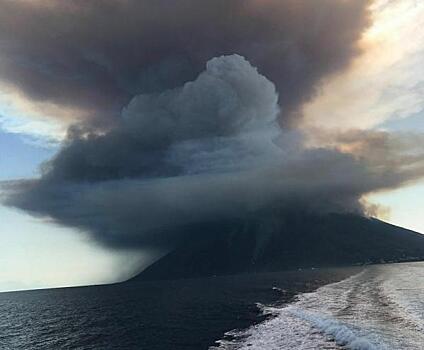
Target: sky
(39,254)
(116,134)
(385,88)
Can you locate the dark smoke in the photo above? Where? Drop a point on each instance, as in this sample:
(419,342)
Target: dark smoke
(96,55)
(188,102)
(210,150)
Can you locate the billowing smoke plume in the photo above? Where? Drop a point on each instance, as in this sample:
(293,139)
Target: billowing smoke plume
(94,56)
(209,150)
(207,88)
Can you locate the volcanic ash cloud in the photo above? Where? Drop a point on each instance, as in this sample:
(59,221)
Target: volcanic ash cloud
(209,150)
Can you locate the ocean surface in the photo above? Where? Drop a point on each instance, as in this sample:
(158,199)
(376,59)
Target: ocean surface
(382,307)
(373,307)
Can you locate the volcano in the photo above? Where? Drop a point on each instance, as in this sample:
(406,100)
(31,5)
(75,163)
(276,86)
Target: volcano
(291,241)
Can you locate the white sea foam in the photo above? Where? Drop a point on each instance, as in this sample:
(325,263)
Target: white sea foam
(342,334)
(381,308)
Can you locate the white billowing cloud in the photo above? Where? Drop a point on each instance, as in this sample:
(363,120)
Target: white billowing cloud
(386,81)
(228,98)
(225,118)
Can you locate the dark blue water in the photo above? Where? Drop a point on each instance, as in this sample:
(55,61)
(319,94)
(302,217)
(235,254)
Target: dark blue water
(183,314)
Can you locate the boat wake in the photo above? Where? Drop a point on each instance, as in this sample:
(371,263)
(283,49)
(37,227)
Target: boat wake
(381,308)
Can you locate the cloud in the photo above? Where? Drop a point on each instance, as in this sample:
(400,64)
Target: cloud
(168,147)
(385,82)
(155,212)
(185,114)
(207,151)
(92,57)
(156,131)
(398,157)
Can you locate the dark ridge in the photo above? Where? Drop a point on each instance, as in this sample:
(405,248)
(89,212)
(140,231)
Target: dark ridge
(282,243)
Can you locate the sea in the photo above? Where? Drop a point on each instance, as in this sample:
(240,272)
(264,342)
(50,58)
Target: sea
(367,307)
